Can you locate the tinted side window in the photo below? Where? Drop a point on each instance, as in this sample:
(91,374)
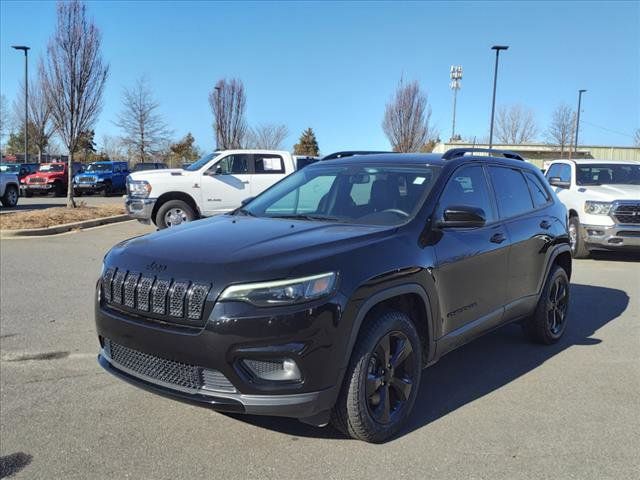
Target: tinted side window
(560,170)
(539,193)
(233,164)
(512,193)
(268,163)
(467,186)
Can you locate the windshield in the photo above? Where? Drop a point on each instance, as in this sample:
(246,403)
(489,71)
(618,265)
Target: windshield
(10,168)
(51,167)
(358,194)
(200,163)
(608,174)
(99,167)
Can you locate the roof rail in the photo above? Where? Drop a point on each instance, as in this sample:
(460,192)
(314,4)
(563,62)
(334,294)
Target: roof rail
(459,152)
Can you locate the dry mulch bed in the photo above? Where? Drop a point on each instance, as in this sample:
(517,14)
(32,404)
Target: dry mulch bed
(53,216)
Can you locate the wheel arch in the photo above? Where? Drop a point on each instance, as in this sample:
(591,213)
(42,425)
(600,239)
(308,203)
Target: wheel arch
(165,197)
(410,298)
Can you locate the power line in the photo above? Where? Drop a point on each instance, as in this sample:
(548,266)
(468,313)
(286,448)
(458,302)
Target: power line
(607,129)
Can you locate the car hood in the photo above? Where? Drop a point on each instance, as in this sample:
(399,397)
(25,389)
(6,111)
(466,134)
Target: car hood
(150,175)
(611,192)
(230,249)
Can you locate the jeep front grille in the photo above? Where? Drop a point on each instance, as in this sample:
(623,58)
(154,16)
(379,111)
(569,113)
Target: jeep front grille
(627,213)
(168,372)
(176,301)
(37,180)
(86,180)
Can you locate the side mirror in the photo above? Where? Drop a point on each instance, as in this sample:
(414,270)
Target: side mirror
(463,216)
(246,200)
(557,182)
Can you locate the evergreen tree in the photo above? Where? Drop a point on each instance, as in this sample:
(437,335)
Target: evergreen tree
(15,143)
(185,150)
(307,145)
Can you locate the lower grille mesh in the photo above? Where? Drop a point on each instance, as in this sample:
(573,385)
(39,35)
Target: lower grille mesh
(167,371)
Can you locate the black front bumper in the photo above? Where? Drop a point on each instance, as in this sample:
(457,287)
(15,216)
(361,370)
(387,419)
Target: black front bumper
(311,336)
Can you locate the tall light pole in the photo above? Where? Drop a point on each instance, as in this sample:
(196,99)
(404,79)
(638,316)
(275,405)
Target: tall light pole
(497,48)
(26,98)
(456,83)
(575,145)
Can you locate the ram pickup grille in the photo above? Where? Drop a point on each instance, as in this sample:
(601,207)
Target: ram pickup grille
(37,180)
(176,301)
(627,213)
(155,369)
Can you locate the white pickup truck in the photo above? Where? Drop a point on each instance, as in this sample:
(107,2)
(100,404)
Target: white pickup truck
(603,201)
(217,183)
(9,189)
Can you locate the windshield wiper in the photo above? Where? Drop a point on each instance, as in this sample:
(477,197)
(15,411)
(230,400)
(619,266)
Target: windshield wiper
(243,211)
(308,216)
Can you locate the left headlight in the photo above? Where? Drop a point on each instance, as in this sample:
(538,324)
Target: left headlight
(139,188)
(282,292)
(597,208)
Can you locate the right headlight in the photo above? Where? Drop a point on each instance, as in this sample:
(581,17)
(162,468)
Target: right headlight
(597,208)
(139,188)
(282,292)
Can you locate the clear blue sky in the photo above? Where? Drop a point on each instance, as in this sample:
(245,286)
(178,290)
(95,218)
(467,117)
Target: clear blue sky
(333,66)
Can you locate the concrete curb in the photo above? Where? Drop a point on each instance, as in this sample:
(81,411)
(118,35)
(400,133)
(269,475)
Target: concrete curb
(39,232)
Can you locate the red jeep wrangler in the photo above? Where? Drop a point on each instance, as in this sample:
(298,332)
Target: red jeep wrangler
(50,177)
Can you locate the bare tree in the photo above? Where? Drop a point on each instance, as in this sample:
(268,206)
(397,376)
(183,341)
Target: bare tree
(268,136)
(406,118)
(636,137)
(40,118)
(228,102)
(144,130)
(5,119)
(73,77)
(562,128)
(515,125)
(111,148)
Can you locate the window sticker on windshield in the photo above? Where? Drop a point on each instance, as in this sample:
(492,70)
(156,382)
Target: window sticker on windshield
(271,163)
(419,180)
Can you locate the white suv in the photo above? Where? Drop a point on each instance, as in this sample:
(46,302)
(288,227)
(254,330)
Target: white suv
(603,201)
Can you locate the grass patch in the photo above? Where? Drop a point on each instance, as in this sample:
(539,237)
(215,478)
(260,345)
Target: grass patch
(50,217)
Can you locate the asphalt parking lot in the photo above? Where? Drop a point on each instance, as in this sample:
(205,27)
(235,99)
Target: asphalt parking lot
(498,408)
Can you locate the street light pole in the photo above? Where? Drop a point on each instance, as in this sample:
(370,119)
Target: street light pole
(26,98)
(575,145)
(497,48)
(456,77)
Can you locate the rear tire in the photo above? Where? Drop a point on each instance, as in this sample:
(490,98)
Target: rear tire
(578,247)
(10,197)
(173,213)
(549,321)
(375,400)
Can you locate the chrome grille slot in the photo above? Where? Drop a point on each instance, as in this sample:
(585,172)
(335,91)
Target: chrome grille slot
(195,300)
(37,180)
(144,289)
(627,213)
(116,289)
(107,278)
(130,289)
(176,298)
(159,295)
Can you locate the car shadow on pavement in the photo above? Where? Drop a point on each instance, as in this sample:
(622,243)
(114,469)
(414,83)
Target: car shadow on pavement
(485,364)
(621,256)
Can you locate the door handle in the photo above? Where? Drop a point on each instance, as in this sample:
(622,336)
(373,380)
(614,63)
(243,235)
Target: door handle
(497,238)
(246,182)
(544,224)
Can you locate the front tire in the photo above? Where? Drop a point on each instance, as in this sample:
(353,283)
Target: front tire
(10,197)
(173,213)
(578,247)
(382,380)
(58,190)
(106,190)
(549,321)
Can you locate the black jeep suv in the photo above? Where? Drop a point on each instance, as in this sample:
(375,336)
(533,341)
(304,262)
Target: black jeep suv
(325,297)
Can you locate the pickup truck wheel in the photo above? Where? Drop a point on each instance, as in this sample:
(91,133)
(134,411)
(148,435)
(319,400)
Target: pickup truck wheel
(578,247)
(106,191)
(174,212)
(549,321)
(58,190)
(10,197)
(382,380)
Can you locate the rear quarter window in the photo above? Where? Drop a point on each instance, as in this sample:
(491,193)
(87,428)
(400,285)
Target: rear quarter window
(512,192)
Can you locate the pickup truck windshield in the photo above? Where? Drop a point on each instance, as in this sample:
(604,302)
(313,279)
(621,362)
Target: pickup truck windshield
(99,167)
(51,167)
(200,163)
(10,168)
(608,174)
(356,194)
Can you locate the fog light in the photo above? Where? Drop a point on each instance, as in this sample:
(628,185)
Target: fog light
(281,370)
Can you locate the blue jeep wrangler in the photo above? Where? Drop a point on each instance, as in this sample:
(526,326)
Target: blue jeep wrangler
(101,177)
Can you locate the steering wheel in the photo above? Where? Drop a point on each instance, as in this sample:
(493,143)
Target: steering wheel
(402,213)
